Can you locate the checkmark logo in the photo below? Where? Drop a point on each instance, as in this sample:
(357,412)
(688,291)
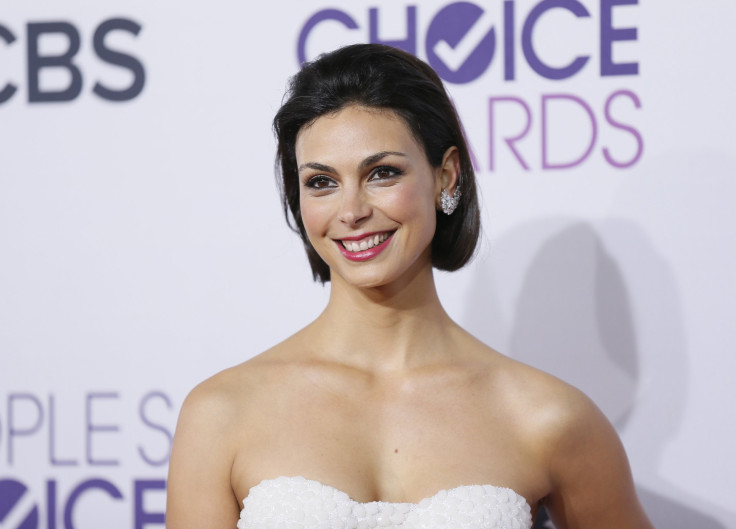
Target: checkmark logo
(17,510)
(460,42)
(455,57)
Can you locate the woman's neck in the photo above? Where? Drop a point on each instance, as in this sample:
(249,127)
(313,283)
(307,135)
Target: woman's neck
(388,328)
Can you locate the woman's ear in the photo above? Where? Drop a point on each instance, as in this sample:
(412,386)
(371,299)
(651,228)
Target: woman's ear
(448,174)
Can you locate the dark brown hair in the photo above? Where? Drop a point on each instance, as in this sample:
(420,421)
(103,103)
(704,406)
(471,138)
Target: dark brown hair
(379,76)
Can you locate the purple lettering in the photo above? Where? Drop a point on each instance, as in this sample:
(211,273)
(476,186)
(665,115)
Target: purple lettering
(167,434)
(52,437)
(609,35)
(409,44)
(510,140)
(320,16)
(100,484)
(16,431)
(546,164)
(509,68)
(92,428)
(616,124)
(51,504)
(527,45)
(143,517)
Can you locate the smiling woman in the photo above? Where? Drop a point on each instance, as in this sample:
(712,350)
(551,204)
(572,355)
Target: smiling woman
(367,201)
(406,92)
(383,411)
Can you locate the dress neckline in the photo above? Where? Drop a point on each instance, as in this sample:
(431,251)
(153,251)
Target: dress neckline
(440,493)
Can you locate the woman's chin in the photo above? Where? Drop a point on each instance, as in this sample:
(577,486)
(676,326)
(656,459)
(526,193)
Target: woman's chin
(364,280)
(379,277)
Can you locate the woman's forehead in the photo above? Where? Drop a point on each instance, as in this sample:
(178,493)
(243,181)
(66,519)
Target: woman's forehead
(354,131)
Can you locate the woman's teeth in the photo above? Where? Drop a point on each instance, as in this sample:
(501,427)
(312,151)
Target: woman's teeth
(365,244)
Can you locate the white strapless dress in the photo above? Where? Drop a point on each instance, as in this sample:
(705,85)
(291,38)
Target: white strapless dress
(300,503)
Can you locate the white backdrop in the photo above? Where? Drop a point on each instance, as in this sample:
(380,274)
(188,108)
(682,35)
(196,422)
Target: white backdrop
(142,246)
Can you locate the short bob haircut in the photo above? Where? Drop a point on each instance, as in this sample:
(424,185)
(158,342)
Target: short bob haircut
(381,77)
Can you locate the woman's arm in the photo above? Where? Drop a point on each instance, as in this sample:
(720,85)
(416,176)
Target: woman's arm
(199,493)
(591,477)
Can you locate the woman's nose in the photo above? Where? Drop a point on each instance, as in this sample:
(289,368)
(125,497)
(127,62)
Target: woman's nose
(354,207)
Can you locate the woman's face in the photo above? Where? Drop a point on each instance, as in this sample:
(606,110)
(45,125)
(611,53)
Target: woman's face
(368,195)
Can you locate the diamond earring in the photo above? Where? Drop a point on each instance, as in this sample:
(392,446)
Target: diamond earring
(449,203)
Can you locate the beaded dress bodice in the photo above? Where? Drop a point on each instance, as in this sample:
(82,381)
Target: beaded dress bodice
(300,503)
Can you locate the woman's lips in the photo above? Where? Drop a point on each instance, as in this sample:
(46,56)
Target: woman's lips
(366,242)
(365,247)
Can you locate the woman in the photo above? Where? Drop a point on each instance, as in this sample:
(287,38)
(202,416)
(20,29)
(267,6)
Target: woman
(383,411)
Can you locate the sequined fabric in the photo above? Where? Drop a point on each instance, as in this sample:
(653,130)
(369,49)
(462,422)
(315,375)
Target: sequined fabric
(299,503)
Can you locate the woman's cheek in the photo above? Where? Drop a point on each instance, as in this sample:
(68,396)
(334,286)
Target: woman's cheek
(410,202)
(314,215)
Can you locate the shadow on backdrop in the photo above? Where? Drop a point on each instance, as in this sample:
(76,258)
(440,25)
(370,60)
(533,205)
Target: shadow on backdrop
(575,312)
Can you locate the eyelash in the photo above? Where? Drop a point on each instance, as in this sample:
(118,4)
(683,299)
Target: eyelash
(312,182)
(322,179)
(394,172)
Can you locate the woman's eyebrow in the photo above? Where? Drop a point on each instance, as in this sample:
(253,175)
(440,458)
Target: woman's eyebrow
(370,160)
(378,157)
(317,167)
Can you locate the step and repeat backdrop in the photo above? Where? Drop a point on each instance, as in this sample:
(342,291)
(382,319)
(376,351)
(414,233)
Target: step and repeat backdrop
(143,248)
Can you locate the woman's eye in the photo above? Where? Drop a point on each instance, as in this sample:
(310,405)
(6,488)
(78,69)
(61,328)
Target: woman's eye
(320,182)
(385,172)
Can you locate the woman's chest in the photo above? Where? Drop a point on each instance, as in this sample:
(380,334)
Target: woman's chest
(402,451)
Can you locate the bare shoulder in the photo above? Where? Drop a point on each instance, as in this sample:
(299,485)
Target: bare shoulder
(215,422)
(574,444)
(238,389)
(545,408)
(211,415)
